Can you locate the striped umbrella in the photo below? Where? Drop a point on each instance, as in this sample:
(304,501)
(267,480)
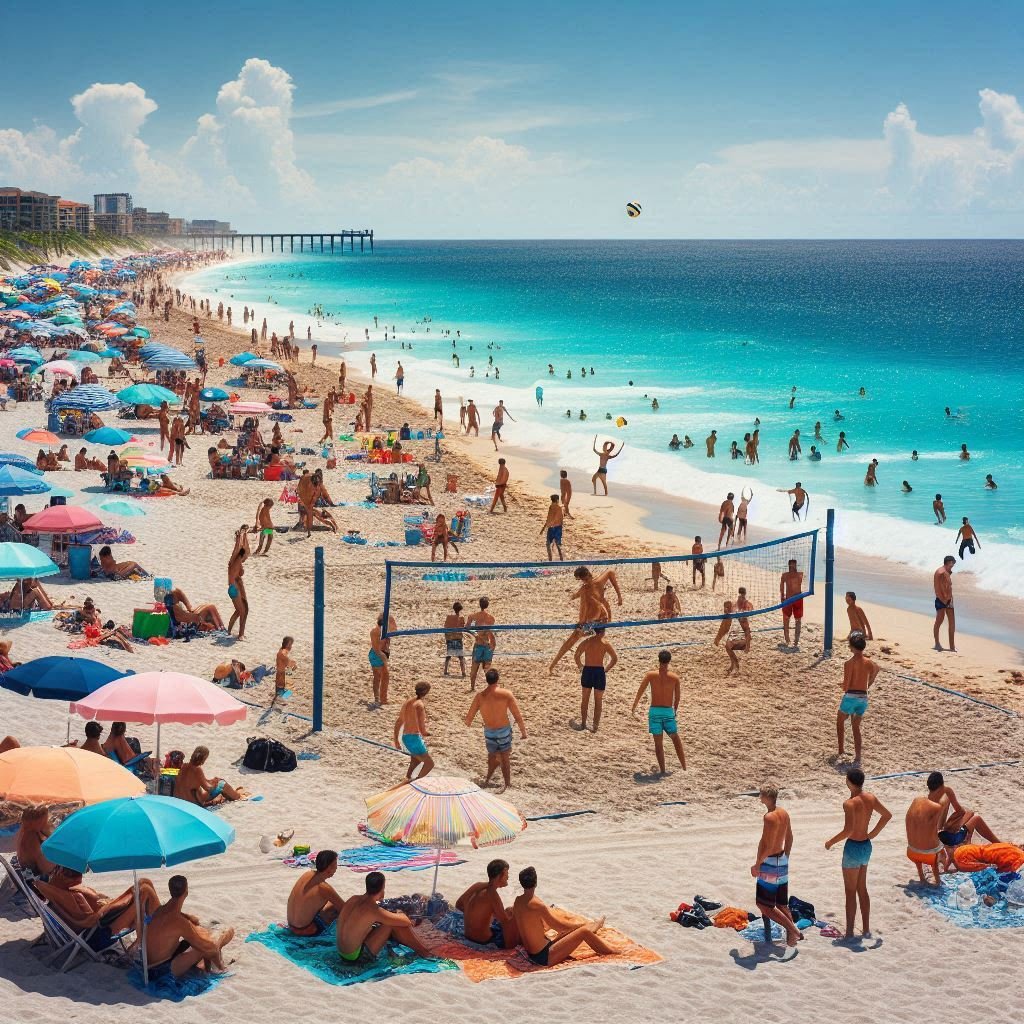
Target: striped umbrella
(89,397)
(442,812)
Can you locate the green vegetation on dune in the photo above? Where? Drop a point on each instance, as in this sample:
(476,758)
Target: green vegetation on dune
(42,247)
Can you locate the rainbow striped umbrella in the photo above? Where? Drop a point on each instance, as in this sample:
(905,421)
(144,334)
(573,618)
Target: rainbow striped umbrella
(442,812)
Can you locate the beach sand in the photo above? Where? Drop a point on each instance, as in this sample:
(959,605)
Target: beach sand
(775,721)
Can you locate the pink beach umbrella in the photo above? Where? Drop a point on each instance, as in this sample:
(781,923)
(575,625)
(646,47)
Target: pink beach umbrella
(250,408)
(62,519)
(159,697)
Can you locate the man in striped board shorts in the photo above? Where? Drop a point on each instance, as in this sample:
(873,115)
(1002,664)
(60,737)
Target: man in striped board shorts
(771,869)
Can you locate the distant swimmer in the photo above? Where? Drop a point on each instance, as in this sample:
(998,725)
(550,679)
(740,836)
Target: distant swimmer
(792,398)
(687,443)
(942,583)
(952,415)
(871,476)
(817,432)
(842,442)
(965,455)
(675,444)
(669,606)
(734,450)
(791,583)
(373,364)
(939,509)
(755,439)
(594,608)
(837,416)
(914,456)
(738,630)
(863,392)
(749,452)
(551,370)
(539,393)
(800,499)
(968,538)
(907,489)
(710,441)
(606,453)
(654,404)
(583,414)
(794,446)
(699,562)
(725,517)
(815,455)
(858,620)
(741,514)
(990,484)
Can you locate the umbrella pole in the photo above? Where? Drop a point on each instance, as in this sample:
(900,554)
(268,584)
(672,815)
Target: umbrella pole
(140,927)
(437,868)
(158,756)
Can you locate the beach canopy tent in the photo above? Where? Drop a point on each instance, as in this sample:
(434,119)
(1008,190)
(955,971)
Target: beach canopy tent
(107,436)
(16,483)
(24,562)
(148,394)
(62,519)
(58,775)
(88,398)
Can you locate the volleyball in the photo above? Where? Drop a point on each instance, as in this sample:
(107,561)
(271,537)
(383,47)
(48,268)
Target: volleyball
(620,422)
(633,209)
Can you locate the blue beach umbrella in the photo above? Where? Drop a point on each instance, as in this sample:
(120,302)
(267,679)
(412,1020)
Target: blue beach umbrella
(23,561)
(107,436)
(15,483)
(60,677)
(25,354)
(147,394)
(83,356)
(213,395)
(19,462)
(171,359)
(263,364)
(89,398)
(123,508)
(242,358)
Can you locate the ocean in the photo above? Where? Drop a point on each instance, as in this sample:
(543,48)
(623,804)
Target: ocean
(719,333)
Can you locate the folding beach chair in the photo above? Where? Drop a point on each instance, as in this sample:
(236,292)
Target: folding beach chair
(13,886)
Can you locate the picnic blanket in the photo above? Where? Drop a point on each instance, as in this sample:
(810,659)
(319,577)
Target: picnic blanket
(195,983)
(484,963)
(318,954)
(958,900)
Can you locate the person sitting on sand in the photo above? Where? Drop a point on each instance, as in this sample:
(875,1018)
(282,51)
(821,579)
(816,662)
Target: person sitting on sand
(193,786)
(167,484)
(28,843)
(116,745)
(205,616)
(83,462)
(364,927)
(313,903)
(114,570)
(119,636)
(27,595)
(485,919)
(9,743)
(176,942)
(93,732)
(534,918)
(959,823)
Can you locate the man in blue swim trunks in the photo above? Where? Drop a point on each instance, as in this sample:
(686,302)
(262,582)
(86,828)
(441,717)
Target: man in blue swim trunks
(484,640)
(590,659)
(495,704)
(380,652)
(553,525)
(313,903)
(661,715)
(857,849)
(859,673)
(412,724)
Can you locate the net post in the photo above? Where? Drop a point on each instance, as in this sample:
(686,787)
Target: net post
(318,639)
(830,573)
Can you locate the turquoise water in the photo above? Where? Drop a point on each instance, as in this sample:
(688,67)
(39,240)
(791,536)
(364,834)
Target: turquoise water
(719,333)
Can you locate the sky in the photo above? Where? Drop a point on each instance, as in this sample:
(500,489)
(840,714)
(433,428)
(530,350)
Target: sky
(722,119)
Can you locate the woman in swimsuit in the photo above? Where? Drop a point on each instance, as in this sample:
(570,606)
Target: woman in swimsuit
(236,585)
(606,453)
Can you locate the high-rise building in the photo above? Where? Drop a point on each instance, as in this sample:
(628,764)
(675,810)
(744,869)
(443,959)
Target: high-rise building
(21,210)
(72,216)
(112,202)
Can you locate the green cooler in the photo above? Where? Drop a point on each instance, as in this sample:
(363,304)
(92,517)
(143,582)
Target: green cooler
(147,623)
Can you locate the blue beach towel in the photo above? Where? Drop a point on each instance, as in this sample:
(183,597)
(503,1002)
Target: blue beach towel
(969,912)
(195,983)
(318,954)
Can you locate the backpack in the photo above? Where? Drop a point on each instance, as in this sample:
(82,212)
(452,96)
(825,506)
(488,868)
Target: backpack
(263,755)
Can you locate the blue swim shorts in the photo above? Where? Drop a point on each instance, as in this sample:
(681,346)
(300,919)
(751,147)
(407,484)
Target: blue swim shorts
(499,741)
(483,653)
(856,853)
(554,535)
(414,744)
(853,704)
(375,659)
(661,720)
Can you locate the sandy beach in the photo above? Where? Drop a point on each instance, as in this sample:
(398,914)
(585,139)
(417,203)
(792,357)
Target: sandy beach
(694,831)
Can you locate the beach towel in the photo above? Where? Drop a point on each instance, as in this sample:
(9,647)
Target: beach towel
(1004,856)
(195,983)
(754,932)
(959,901)
(364,859)
(484,963)
(318,954)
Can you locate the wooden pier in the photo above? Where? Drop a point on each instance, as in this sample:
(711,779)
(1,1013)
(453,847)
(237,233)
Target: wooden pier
(328,241)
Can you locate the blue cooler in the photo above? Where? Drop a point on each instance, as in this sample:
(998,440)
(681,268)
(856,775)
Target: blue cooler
(79,557)
(413,538)
(161,586)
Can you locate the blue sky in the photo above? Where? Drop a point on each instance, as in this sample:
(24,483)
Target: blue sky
(723,119)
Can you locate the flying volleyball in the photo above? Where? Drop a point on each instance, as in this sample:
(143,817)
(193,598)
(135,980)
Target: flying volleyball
(633,209)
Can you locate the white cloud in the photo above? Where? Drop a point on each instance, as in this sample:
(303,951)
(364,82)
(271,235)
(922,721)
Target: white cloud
(356,103)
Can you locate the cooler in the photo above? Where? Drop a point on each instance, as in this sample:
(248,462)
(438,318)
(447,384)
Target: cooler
(147,623)
(79,557)
(413,538)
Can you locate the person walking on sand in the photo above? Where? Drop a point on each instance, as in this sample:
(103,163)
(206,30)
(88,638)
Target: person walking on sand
(606,453)
(373,366)
(495,704)
(411,724)
(164,418)
(264,526)
(283,664)
(800,498)
(725,518)
(438,407)
(661,715)
(741,515)
(856,837)
(771,868)
(399,378)
(859,674)
(484,640)
(967,537)
(380,652)
(472,419)
(499,413)
(553,526)
(590,660)
(791,583)
(500,485)
(942,583)
(565,490)
(858,619)
(454,624)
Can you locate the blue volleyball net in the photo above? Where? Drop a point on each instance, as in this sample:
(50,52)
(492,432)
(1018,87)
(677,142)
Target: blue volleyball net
(526,596)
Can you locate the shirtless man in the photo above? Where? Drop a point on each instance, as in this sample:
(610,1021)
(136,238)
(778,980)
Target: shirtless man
(305,489)
(968,537)
(565,491)
(485,919)
(939,509)
(669,606)
(472,419)
(265,526)
(858,619)
(590,658)
(412,725)
(594,608)
(740,641)
(34,830)
(741,515)
(454,624)
(859,675)
(858,833)
(942,583)
(313,903)
(380,651)
(373,365)
(553,525)
(283,664)
(534,918)
(794,446)
(661,715)
(698,564)
(164,418)
(606,453)
(771,868)
(93,732)
(484,641)
(965,455)
(958,824)
(800,498)
(438,407)
(791,583)
(364,928)
(710,442)
(495,704)
(924,819)
(499,414)
(725,517)
(500,485)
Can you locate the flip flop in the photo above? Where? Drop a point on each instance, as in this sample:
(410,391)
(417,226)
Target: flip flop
(784,957)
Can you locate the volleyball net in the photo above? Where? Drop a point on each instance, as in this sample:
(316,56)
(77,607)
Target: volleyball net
(531,596)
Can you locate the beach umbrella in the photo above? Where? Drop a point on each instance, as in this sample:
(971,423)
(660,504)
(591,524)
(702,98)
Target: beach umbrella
(15,483)
(37,435)
(123,508)
(263,364)
(63,318)
(58,775)
(213,395)
(250,408)
(170,361)
(24,354)
(107,436)
(59,677)
(242,358)
(147,394)
(137,833)
(82,356)
(442,812)
(62,519)
(24,561)
(161,697)
(89,398)
(19,462)
(59,368)
(141,332)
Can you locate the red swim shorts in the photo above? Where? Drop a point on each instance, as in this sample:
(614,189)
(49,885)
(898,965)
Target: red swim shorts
(795,609)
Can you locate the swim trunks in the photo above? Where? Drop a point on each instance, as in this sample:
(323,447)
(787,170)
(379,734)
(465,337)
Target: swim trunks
(217,790)
(661,719)
(957,838)
(796,609)
(318,924)
(554,535)
(727,522)
(496,428)
(232,591)
(497,935)
(499,741)
(540,958)
(361,953)
(939,605)
(163,970)
(482,654)
(773,882)
(593,677)
(925,858)
(742,521)
(413,743)
(854,704)
(267,531)
(454,649)
(796,508)
(375,659)
(699,563)
(856,853)
(603,470)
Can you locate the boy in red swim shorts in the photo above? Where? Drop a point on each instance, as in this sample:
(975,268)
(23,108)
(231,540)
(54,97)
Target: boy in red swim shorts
(791,583)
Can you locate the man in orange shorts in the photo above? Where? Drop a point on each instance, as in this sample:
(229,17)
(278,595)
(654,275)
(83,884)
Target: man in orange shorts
(923,822)
(791,583)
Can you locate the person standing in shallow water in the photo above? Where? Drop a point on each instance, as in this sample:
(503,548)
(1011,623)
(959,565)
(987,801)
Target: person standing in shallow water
(606,453)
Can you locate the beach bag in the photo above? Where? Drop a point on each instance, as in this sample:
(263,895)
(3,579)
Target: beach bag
(263,755)
(801,910)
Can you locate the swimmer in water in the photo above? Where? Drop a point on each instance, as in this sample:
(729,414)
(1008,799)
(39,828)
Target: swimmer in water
(871,476)
(965,455)
(842,442)
(914,456)
(815,455)
(837,416)
(990,484)
(817,432)
(939,509)
(907,489)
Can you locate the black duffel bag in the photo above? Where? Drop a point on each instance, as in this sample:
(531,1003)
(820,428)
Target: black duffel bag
(263,755)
